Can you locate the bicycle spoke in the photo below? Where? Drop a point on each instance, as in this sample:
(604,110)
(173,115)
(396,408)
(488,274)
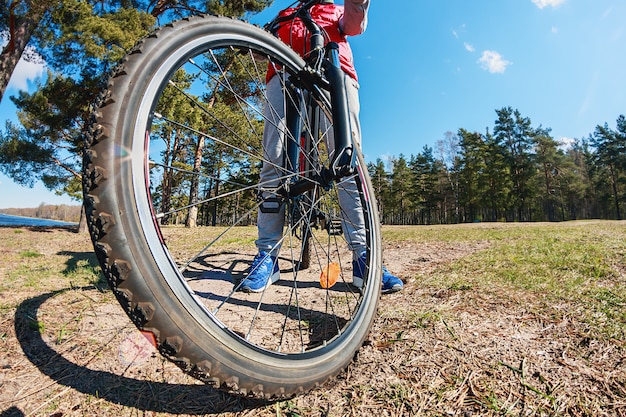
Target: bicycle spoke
(224,90)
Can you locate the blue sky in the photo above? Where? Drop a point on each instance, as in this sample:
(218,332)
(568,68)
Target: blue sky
(427,67)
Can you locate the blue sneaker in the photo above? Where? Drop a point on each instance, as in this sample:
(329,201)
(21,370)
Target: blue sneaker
(262,273)
(391,283)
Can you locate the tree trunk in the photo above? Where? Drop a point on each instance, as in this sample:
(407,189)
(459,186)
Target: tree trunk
(21,29)
(613,176)
(216,193)
(192,216)
(82,223)
(166,182)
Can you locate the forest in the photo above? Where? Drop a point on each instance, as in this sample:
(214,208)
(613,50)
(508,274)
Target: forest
(513,171)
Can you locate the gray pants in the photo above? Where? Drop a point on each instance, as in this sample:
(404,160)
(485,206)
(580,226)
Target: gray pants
(271,225)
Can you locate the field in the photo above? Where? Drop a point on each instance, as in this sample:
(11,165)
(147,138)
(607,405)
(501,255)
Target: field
(494,320)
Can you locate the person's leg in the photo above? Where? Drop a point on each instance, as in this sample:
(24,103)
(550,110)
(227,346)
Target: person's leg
(271,218)
(271,215)
(351,208)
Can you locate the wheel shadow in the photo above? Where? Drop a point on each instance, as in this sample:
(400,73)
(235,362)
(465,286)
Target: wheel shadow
(204,268)
(321,326)
(158,396)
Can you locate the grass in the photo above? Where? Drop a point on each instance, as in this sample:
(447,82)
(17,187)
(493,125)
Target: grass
(494,320)
(30,254)
(580,263)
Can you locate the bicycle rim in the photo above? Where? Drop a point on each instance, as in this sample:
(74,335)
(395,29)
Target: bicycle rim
(183,136)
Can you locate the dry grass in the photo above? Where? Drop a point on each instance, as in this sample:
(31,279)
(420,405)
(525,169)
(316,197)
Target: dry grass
(471,334)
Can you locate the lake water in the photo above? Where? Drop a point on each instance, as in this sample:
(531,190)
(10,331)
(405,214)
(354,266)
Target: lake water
(9,220)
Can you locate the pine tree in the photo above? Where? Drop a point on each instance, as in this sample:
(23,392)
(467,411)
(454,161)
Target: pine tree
(515,134)
(424,170)
(81,41)
(381,184)
(498,180)
(472,169)
(19,21)
(401,185)
(449,162)
(610,148)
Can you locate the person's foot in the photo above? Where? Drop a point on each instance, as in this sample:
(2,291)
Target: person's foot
(391,283)
(262,273)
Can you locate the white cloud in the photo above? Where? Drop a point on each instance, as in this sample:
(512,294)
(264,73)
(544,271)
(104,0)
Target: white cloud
(456,32)
(566,143)
(545,3)
(493,62)
(469,47)
(25,71)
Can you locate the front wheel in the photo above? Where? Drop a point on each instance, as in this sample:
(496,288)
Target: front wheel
(170,183)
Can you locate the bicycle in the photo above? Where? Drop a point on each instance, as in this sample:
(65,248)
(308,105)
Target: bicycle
(184,110)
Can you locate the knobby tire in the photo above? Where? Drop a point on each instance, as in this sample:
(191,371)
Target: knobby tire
(184,295)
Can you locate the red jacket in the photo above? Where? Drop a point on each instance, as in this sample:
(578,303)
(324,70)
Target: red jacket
(328,16)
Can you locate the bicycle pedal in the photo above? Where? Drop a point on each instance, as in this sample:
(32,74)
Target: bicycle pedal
(334,228)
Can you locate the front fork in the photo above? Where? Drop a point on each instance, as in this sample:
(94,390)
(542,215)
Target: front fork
(343,161)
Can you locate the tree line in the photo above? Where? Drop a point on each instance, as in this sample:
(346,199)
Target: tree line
(512,172)
(62,212)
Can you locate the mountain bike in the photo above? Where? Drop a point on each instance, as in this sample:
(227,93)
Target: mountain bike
(177,139)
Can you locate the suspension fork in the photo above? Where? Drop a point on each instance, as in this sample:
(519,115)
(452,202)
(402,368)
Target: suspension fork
(343,161)
(300,143)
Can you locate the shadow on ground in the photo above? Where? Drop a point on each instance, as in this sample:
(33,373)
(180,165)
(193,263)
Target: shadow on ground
(142,395)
